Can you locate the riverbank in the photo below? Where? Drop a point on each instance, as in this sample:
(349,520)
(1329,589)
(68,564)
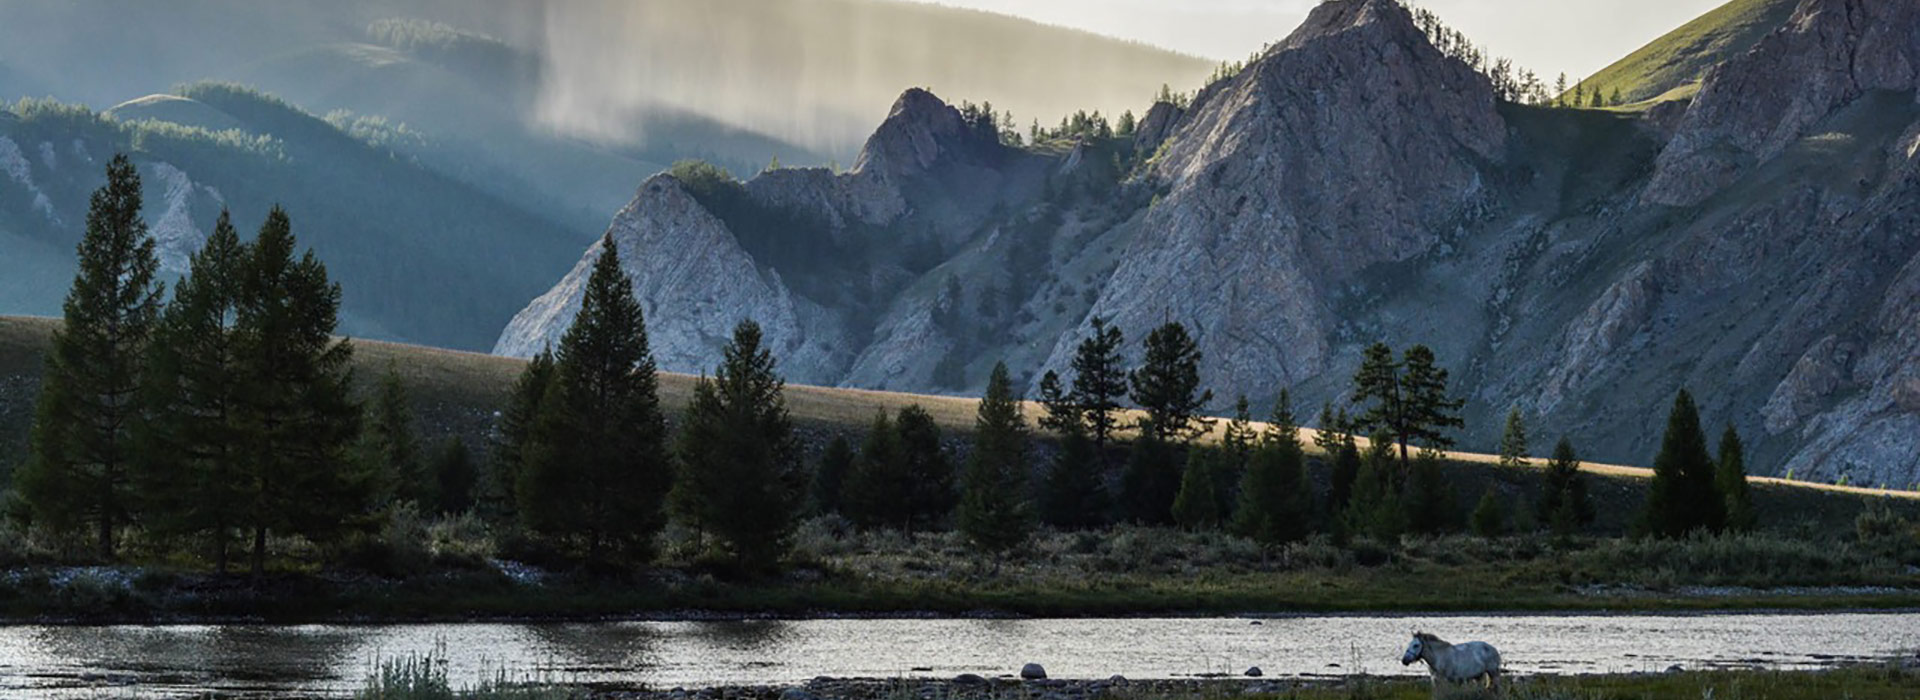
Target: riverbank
(1890,681)
(1130,572)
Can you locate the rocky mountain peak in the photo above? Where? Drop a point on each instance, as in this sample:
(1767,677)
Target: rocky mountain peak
(920,131)
(1752,108)
(1335,17)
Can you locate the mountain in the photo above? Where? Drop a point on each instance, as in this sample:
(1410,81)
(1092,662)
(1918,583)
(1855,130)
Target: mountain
(1755,244)
(1678,59)
(448,157)
(420,256)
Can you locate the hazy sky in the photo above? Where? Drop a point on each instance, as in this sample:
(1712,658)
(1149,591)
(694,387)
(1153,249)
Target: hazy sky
(1549,36)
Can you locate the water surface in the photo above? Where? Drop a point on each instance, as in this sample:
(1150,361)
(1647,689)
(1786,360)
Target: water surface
(333,660)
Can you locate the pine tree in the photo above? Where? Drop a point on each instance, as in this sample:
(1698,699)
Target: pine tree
(1614,99)
(1428,410)
(511,437)
(1150,481)
(1099,382)
(296,406)
(454,476)
(741,458)
(1344,472)
(391,446)
(1731,481)
(1062,414)
(830,476)
(1376,385)
(1489,518)
(873,492)
(191,466)
(1430,504)
(1275,497)
(1560,90)
(1167,386)
(83,441)
(1236,446)
(1194,508)
(930,494)
(1513,442)
(1375,507)
(1074,495)
(597,469)
(1682,498)
(995,513)
(1563,494)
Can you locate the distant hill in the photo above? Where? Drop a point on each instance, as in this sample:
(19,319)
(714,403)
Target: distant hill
(421,256)
(1682,56)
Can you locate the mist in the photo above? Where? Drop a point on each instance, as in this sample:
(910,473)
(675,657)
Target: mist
(823,72)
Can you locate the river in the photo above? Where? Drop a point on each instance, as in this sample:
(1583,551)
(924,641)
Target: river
(332,660)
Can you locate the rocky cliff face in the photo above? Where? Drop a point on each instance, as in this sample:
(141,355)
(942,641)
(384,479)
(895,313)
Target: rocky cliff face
(1285,182)
(1759,245)
(694,282)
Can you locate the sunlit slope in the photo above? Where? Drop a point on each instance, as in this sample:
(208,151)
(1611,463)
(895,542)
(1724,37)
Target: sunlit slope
(457,393)
(1683,55)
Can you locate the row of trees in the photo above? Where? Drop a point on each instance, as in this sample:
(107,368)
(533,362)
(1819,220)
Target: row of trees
(1511,82)
(224,414)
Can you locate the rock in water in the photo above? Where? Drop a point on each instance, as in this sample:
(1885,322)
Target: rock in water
(1255,672)
(1033,672)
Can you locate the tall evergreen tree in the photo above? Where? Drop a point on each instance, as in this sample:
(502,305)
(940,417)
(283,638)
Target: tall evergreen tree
(1682,498)
(1428,410)
(1062,414)
(874,491)
(83,442)
(1074,494)
(995,511)
(391,446)
(297,404)
(830,476)
(1731,480)
(741,455)
(1563,494)
(455,476)
(598,469)
(1344,472)
(1195,507)
(1431,507)
(1236,448)
(930,494)
(1275,496)
(192,458)
(1376,386)
(1150,481)
(1099,382)
(511,437)
(1375,506)
(1513,441)
(1167,386)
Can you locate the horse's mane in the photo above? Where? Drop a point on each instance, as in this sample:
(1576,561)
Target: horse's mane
(1430,639)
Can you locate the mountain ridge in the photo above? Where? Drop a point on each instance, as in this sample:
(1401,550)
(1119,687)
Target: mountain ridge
(1353,184)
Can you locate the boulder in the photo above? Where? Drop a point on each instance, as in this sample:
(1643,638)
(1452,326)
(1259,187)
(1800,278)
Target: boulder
(1033,672)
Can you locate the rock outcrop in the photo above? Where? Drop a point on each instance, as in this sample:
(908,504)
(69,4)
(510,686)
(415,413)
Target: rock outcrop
(1759,245)
(1751,109)
(1354,142)
(694,283)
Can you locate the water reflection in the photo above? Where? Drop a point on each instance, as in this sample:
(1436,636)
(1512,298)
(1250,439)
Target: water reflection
(260,661)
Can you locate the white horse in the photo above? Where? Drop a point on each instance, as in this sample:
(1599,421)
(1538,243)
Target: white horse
(1455,663)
